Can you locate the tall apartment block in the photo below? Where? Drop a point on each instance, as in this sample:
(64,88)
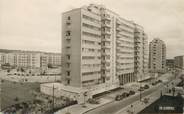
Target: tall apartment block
(98,49)
(141,53)
(157,56)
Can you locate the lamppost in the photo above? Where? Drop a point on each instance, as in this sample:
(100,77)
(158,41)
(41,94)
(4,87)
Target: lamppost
(85,94)
(53,98)
(173,88)
(132,111)
(140,90)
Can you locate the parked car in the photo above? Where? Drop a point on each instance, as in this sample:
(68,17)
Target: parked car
(118,97)
(131,92)
(141,89)
(159,81)
(153,83)
(146,87)
(125,94)
(93,101)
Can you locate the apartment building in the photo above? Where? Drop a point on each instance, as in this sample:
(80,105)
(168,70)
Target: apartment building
(170,63)
(54,59)
(179,62)
(7,58)
(31,59)
(99,50)
(141,53)
(157,56)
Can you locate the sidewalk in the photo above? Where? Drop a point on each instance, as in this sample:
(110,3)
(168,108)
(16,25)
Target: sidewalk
(79,109)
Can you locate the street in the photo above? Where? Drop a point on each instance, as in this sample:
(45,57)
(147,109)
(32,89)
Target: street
(116,106)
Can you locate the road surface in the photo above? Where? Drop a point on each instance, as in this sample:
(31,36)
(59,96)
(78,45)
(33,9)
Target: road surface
(116,106)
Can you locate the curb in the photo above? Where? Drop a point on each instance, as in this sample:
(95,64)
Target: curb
(97,107)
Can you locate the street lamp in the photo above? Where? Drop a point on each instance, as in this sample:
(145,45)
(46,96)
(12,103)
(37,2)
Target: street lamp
(173,89)
(132,109)
(85,94)
(140,91)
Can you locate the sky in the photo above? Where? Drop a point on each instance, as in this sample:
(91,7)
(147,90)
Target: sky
(36,24)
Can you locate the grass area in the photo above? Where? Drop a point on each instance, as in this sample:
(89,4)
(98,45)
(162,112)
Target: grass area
(16,92)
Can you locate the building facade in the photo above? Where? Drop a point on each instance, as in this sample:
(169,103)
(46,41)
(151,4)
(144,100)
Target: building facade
(30,59)
(157,56)
(141,53)
(179,62)
(170,63)
(54,59)
(98,49)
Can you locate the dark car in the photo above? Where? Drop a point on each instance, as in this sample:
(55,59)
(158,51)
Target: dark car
(125,94)
(131,92)
(146,87)
(118,97)
(159,81)
(141,89)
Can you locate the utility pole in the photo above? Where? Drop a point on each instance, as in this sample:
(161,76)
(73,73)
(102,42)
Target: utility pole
(53,98)
(140,91)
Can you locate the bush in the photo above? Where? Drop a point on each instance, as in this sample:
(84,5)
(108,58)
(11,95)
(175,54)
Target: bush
(16,99)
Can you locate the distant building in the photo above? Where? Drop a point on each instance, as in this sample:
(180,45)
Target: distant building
(54,59)
(170,63)
(30,59)
(179,62)
(157,56)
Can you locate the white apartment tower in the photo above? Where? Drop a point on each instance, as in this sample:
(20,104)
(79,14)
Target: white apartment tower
(141,53)
(98,49)
(157,56)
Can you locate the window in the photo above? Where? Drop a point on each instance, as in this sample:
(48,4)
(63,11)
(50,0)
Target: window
(68,65)
(68,57)
(68,81)
(69,18)
(68,73)
(68,33)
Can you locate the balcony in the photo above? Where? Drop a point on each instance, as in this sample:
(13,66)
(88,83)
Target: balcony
(106,24)
(106,32)
(118,29)
(68,45)
(68,37)
(118,35)
(106,39)
(118,22)
(106,46)
(68,22)
(106,60)
(106,17)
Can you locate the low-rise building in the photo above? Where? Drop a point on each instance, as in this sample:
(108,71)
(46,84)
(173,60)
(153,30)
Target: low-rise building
(58,90)
(170,63)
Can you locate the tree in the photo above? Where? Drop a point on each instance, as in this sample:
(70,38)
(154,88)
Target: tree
(22,70)
(8,70)
(16,99)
